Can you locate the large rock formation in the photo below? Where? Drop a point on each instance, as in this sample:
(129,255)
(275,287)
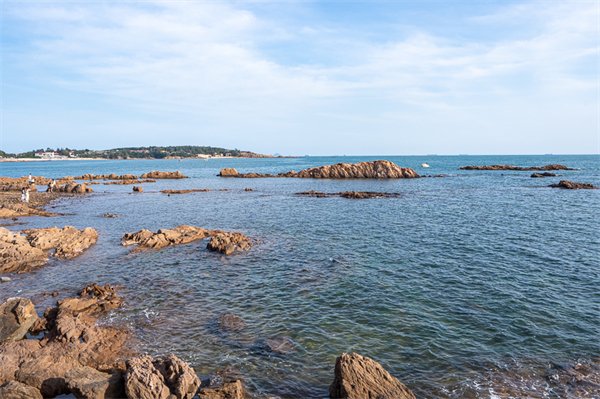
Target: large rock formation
(223,242)
(16,316)
(17,390)
(89,383)
(75,188)
(155,174)
(573,186)
(68,241)
(358,377)
(148,378)
(17,254)
(349,194)
(112,176)
(73,341)
(360,170)
(510,167)
(545,174)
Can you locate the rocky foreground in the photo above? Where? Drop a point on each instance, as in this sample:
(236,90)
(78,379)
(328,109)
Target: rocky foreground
(360,170)
(349,194)
(19,253)
(510,167)
(573,186)
(223,242)
(76,356)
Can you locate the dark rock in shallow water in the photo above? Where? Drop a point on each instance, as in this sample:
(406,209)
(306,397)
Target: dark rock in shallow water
(545,174)
(231,322)
(573,186)
(279,344)
(17,315)
(510,167)
(358,377)
(349,194)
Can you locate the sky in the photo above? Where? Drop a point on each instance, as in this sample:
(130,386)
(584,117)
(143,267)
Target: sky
(303,77)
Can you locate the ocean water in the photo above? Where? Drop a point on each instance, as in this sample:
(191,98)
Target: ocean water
(459,287)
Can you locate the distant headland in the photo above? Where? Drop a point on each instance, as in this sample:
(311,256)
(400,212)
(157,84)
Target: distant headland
(170,152)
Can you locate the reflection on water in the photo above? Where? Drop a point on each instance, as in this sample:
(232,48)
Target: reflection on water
(460,287)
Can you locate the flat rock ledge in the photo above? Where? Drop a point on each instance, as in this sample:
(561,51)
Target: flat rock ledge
(19,253)
(361,170)
(223,242)
(155,174)
(510,167)
(128,181)
(573,186)
(545,174)
(349,194)
(359,377)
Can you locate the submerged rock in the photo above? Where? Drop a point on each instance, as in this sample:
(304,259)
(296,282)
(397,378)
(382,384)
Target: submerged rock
(17,315)
(231,322)
(510,167)
(280,344)
(573,186)
(359,377)
(69,242)
(155,174)
(361,170)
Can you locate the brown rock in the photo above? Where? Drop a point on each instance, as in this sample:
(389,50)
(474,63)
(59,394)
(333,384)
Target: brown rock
(228,390)
(179,376)
(350,194)
(75,188)
(17,254)
(510,167)
(573,186)
(88,383)
(184,191)
(163,175)
(248,189)
(17,390)
(144,381)
(228,243)
(138,189)
(17,315)
(358,377)
(362,170)
(231,322)
(68,241)
(126,182)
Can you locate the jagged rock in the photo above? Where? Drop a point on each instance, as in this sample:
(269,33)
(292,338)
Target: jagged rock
(17,390)
(248,189)
(510,167)
(228,243)
(68,241)
(75,188)
(138,189)
(349,194)
(362,170)
(573,186)
(144,381)
(228,390)
(231,322)
(89,383)
(93,298)
(155,174)
(112,176)
(16,316)
(358,377)
(17,254)
(127,182)
(179,376)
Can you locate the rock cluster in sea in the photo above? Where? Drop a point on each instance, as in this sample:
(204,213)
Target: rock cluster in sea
(573,186)
(155,174)
(361,170)
(510,167)
(349,194)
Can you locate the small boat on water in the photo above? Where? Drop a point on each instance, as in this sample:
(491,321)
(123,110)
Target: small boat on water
(424,165)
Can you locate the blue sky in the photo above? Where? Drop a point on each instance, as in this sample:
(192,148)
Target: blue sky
(303,77)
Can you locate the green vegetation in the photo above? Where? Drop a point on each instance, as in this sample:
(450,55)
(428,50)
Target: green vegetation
(186,151)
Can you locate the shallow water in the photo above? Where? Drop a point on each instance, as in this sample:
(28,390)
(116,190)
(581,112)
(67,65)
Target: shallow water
(457,281)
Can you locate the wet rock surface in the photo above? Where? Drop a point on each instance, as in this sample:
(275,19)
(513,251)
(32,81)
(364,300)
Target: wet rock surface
(569,185)
(545,174)
(279,344)
(111,176)
(17,254)
(138,189)
(223,384)
(68,241)
(155,174)
(127,182)
(510,167)
(75,188)
(184,191)
(231,322)
(361,170)
(223,242)
(17,315)
(349,194)
(359,377)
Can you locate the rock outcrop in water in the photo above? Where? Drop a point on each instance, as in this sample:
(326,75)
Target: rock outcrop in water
(128,182)
(510,167)
(184,191)
(112,176)
(573,186)
(21,253)
(359,377)
(155,174)
(545,174)
(223,384)
(360,170)
(223,242)
(16,316)
(349,194)
(75,188)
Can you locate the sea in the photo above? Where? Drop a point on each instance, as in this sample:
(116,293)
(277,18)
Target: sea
(471,285)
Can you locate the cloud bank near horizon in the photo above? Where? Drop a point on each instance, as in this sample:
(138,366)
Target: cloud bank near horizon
(303,78)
